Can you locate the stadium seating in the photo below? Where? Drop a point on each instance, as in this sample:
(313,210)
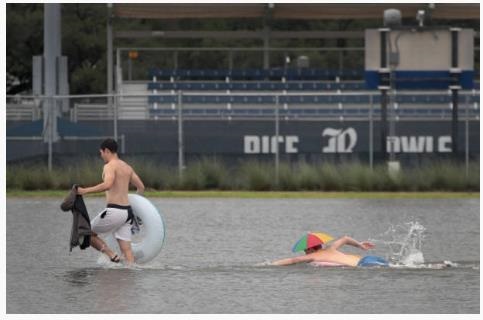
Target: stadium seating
(255,74)
(303,99)
(327,93)
(305,112)
(257,86)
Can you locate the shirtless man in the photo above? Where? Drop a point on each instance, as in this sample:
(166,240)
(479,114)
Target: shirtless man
(118,216)
(330,255)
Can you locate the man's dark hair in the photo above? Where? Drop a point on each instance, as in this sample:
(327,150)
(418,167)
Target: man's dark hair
(110,144)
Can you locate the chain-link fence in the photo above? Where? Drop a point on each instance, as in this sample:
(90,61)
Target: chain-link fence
(175,127)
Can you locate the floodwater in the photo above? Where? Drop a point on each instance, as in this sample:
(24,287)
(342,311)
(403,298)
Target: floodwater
(215,255)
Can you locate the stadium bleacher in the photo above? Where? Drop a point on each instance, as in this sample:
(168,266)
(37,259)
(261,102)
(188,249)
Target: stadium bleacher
(305,112)
(326,93)
(256,74)
(257,85)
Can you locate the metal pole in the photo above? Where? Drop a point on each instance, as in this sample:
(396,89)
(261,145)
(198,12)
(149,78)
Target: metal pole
(116,115)
(110,85)
(175,60)
(383,125)
(371,132)
(467,137)
(123,143)
(118,70)
(129,69)
(266,46)
(454,86)
(384,33)
(52,48)
(454,123)
(180,136)
(341,67)
(277,133)
(118,90)
(50,132)
(392,112)
(230,60)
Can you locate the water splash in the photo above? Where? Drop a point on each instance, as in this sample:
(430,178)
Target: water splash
(104,262)
(404,242)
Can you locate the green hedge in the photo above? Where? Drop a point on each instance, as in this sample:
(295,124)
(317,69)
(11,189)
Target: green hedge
(211,174)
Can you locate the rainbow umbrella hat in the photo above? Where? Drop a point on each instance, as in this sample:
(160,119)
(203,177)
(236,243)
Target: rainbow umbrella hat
(311,239)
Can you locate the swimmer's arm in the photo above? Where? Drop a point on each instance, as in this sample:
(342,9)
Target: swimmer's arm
(136,181)
(108,175)
(349,241)
(288,261)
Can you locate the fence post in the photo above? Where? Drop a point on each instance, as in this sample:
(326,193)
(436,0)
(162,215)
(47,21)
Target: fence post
(467,136)
(116,104)
(371,132)
(180,137)
(277,133)
(230,60)
(110,65)
(118,89)
(50,131)
(123,143)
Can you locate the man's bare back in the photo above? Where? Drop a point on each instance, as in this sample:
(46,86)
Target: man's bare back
(335,256)
(123,174)
(116,177)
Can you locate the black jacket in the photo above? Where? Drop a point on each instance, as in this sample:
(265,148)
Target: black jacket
(81,224)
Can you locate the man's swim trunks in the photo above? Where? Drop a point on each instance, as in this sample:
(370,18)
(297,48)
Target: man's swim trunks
(116,219)
(372,261)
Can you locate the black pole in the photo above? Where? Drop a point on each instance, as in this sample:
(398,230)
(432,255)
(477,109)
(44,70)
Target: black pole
(384,98)
(384,87)
(454,85)
(454,48)
(383,49)
(454,122)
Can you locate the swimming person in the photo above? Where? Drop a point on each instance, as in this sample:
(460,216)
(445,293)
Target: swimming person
(118,216)
(331,256)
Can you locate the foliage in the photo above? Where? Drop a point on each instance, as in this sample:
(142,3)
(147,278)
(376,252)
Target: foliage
(212,174)
(84,43)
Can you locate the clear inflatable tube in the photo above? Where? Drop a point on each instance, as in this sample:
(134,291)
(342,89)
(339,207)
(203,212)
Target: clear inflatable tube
(148,241)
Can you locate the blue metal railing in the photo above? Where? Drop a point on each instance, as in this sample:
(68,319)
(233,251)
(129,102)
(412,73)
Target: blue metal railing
(256,74)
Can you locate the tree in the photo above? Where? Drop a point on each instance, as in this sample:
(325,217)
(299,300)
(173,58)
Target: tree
(24,40)
(83,42)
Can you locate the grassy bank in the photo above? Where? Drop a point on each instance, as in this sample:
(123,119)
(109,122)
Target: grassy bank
(209,174)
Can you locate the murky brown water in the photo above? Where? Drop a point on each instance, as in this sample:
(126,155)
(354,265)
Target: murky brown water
(213,249)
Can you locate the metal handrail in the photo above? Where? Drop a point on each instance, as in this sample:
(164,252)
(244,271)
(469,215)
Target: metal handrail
(224,93)
(240,49)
